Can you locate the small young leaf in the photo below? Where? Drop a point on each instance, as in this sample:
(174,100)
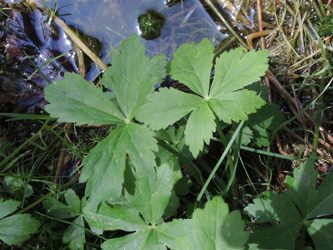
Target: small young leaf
(263,121)
(59,210)
(133,75)
(75,235)
(73,99)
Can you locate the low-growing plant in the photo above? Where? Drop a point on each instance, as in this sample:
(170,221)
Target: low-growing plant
(133,176)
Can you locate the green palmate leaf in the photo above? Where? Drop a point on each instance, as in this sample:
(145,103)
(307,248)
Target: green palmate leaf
(192,65)
(195,135)
(133,75)
(293,209)
(226,99)
(275,208)
(105,165)
(170,105)
(62,211)
(7,207)
(149,200)
(73,99)
(75,234)
(262,122)
(215,228)
(17,228)
(235,70)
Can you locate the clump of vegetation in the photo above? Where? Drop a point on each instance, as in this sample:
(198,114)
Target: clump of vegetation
(188,165)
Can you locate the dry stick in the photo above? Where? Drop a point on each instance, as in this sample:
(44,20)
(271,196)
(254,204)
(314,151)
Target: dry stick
(74,37)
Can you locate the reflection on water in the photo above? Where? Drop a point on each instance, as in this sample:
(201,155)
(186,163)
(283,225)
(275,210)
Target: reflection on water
(114,20)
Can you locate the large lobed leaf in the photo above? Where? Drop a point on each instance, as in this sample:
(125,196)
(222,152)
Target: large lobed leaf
(133,75)
(226,99)
(105,165)
(296,207)
(73,99)
(274,208)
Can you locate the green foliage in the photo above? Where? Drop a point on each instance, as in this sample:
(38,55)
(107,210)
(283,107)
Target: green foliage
(132,77)
(17,228)
(17,187)
(149,198)
(75,233)
(215,228)
(133,177)
(226,98)
(300,206)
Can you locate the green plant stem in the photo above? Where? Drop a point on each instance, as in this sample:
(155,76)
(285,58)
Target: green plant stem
(47,195)
(317,9)
(226,24)
(74,224)
(322,6)
(193,168)
(234,191)
(318,119)
(226,150)
(224,46)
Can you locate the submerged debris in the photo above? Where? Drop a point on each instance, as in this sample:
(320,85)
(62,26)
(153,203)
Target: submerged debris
(150,24)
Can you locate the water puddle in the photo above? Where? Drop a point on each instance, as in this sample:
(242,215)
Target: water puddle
(114,20)
(109,21)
